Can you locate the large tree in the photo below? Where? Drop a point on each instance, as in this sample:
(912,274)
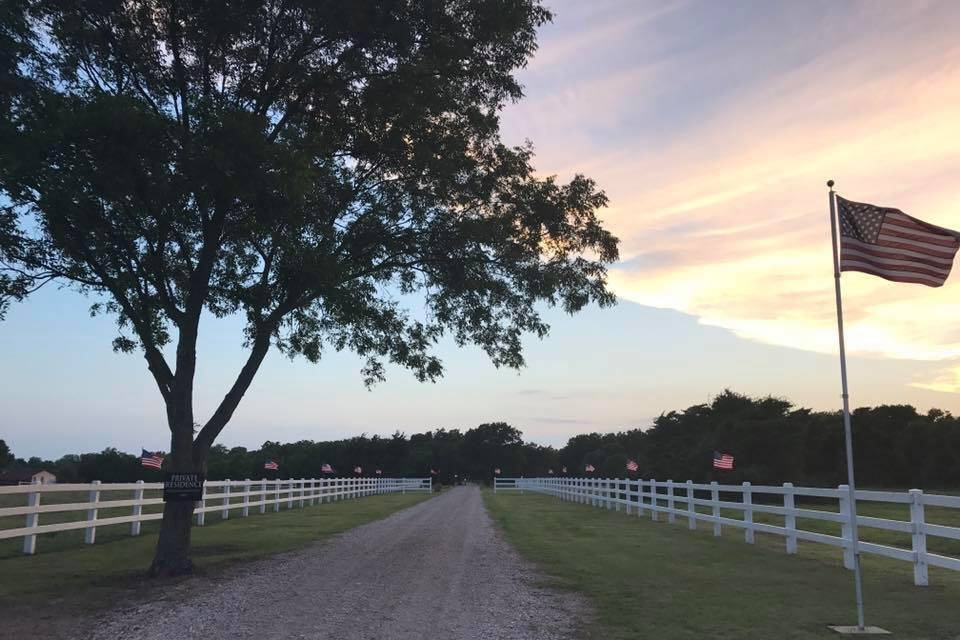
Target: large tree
(311,165)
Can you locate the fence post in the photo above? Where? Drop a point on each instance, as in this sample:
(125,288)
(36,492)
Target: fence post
(628,496)
(225,513)
(671,517)
(846,528)
(691,508)
(201,514)
(654,506)
(90,533)
(748,513)
(608,492)
(137,509)
(246,498)
(715,506)
(303,485)
(33,520)
(290,491)
(263,497)
(276,495)
(313,491)
(918,522)
(790,519)
(639,497)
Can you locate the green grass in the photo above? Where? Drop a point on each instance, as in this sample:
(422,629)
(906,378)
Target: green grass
(659,580)
(62,573)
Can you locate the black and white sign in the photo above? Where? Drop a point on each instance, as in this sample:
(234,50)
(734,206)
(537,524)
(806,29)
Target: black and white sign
(182,487)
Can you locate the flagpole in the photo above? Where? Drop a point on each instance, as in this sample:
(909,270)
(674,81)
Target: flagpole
(851,486)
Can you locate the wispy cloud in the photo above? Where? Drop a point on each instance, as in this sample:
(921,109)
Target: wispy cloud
(718,190)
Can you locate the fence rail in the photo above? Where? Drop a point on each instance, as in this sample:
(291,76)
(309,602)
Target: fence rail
(221,496)
(663,497)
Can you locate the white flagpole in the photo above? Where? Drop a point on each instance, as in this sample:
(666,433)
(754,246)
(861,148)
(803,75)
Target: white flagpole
(851,486)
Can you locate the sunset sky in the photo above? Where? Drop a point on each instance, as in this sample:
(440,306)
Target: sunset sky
(713,127)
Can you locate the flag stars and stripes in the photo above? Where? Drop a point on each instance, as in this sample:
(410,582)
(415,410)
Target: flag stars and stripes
(153,460)
(722,461)
(271,465)
(890,244)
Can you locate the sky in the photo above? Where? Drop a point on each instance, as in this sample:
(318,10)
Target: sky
(713,128)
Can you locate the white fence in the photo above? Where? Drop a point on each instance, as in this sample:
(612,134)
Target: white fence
(229,495)
(665,497)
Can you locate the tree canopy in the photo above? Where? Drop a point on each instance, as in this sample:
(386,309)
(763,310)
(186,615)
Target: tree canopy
(311,166)
(772,442)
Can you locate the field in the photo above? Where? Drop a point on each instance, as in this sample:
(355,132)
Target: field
(660,580)
(63,578)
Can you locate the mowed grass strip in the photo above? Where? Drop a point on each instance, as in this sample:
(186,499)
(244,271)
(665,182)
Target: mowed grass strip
(659,580)
(97,573)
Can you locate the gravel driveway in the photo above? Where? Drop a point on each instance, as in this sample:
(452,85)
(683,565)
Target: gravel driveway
(437,571)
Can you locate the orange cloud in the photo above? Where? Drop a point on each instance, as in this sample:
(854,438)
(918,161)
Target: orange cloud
(726,218)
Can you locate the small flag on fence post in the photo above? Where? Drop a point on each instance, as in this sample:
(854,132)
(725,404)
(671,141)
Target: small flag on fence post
(564,469)
(271,465)
(496,471)
(379,472)
(632,466)
(589,468)
(357,469)
(550,471)
(433,472)
(326,468)
(722,461)
(153,460)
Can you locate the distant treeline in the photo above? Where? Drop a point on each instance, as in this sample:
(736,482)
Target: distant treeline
(772,442)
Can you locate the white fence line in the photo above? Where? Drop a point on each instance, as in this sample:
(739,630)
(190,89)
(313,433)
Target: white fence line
(662,497)
(254,493)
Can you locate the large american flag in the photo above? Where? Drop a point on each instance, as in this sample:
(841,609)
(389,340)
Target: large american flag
(270,464)
(722,461)
(153,460)
(888,243)
(632,466)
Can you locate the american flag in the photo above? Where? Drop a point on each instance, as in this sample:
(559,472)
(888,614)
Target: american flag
(888,243)
(379,472)
(326,468)
(550,471)
(497,471)
(632,466)
(357,469)
(152,460)
(590,468)
(564,469)
(722,461)
(433,472)
(270,464)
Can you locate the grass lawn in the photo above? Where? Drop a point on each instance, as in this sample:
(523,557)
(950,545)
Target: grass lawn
(61,581)
(659,580)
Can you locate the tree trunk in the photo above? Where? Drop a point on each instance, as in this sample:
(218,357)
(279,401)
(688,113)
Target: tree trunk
(172,557)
